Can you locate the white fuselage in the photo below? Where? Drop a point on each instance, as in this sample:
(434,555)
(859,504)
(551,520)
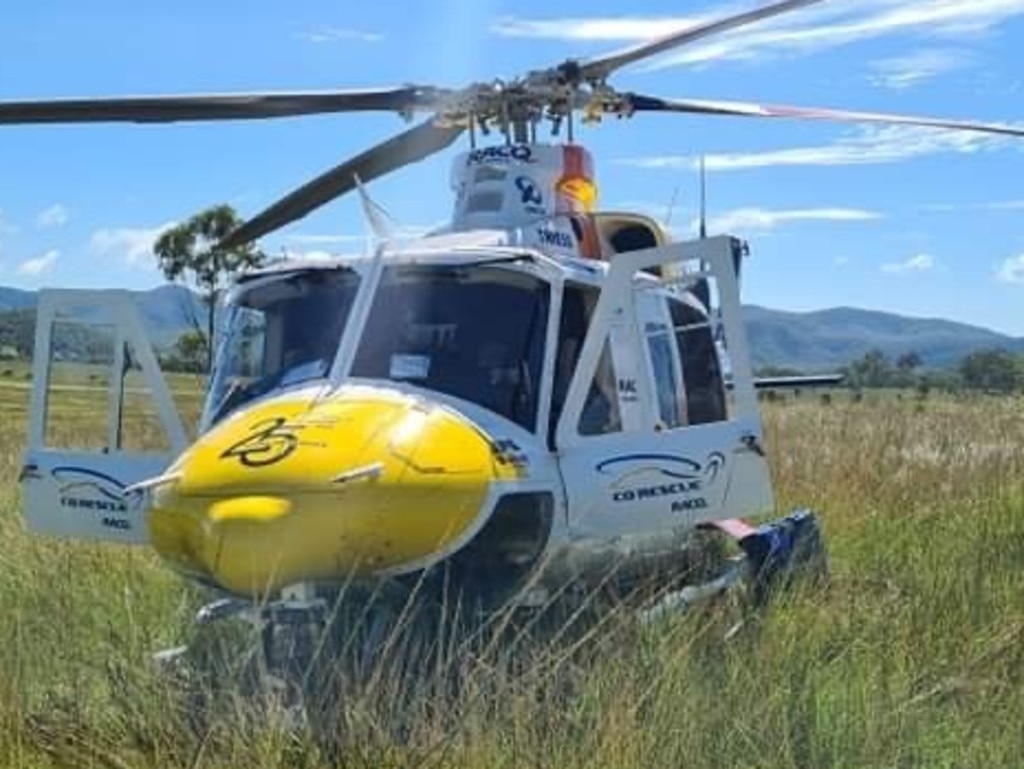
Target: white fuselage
(618,413)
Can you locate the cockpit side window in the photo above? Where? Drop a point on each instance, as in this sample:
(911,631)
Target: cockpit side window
(601,413)
(660,344)
(702,373)
(278,334)
(472,332)
(601,410)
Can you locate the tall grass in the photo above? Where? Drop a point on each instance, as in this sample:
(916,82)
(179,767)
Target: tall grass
(912,657)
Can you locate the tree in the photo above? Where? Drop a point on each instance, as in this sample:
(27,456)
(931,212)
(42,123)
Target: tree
(992,371)
(777,371)
(870,371)
(908,361)
(191,351)
(18,330)
(189,253)
(906,364)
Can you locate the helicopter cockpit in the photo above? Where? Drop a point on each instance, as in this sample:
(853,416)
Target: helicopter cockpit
(477,332)
(473,332)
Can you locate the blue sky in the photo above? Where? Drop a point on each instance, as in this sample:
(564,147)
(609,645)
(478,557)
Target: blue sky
(914,221)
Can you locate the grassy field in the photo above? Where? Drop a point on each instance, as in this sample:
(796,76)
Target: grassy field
(913,657)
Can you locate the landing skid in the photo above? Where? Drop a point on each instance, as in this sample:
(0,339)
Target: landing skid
(774,555)
(311,656)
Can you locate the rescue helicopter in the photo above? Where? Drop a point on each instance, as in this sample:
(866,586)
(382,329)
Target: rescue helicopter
(536,394)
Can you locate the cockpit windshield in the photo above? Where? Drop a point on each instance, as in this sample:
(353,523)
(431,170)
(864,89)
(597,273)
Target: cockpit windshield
(280,333)
(473,332)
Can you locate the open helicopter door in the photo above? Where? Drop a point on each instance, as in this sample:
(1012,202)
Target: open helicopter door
(101,418)
(650,438)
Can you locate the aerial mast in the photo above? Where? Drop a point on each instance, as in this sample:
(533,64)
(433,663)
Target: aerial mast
(703,200)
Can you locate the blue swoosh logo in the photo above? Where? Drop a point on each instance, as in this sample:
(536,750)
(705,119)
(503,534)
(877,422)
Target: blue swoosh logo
(73,477)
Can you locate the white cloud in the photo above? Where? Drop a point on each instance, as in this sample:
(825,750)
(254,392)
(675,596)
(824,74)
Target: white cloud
(1002,205)
(56,215)
(326,239)
(761,219)
(133,245)
(868,146)
(617,29)
(839,24)
(313,255)
(399,232)
(996,205)
(330,34)
(415,231)
(40,264)
(1012,270)
(919,263)
(915,68)
(801,32)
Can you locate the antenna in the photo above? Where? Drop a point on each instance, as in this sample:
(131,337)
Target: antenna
(671,207)
(703,290)
(380,221)
(703,199)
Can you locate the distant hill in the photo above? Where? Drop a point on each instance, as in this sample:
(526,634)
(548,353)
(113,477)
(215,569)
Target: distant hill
(16,299)
(808,341)
(166,313)
(828,338)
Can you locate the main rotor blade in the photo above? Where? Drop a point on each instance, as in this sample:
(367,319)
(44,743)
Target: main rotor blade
(409,147)
(598,69)
(639,103)
(238,106)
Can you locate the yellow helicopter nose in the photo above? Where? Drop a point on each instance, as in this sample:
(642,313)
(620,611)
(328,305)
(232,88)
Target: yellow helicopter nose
(355,484)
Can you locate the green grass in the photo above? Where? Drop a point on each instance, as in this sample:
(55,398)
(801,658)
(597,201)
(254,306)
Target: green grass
(913,657)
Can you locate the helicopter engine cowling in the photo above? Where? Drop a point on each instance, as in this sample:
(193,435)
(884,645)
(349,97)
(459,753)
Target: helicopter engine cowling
(356,485)
(521,184)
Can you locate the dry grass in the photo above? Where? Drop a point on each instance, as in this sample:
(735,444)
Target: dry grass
(914,657)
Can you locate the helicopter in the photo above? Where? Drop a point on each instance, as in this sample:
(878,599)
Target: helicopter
(538,393)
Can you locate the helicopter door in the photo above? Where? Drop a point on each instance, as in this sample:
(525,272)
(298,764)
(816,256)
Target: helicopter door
(100,418)
(673,460)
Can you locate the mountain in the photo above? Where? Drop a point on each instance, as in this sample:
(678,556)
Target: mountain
(16,299)
(166,313)
(808,341)
(826,339)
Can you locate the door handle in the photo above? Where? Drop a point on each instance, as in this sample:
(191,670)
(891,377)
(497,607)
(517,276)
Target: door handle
(751,443)
(29,472)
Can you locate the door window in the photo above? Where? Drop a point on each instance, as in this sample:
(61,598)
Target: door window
(702,372)
(661,347)
(601,414)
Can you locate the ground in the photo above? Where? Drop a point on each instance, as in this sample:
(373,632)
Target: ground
(912,657)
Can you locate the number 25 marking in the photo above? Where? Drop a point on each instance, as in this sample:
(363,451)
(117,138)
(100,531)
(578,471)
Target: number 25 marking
(268,443)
